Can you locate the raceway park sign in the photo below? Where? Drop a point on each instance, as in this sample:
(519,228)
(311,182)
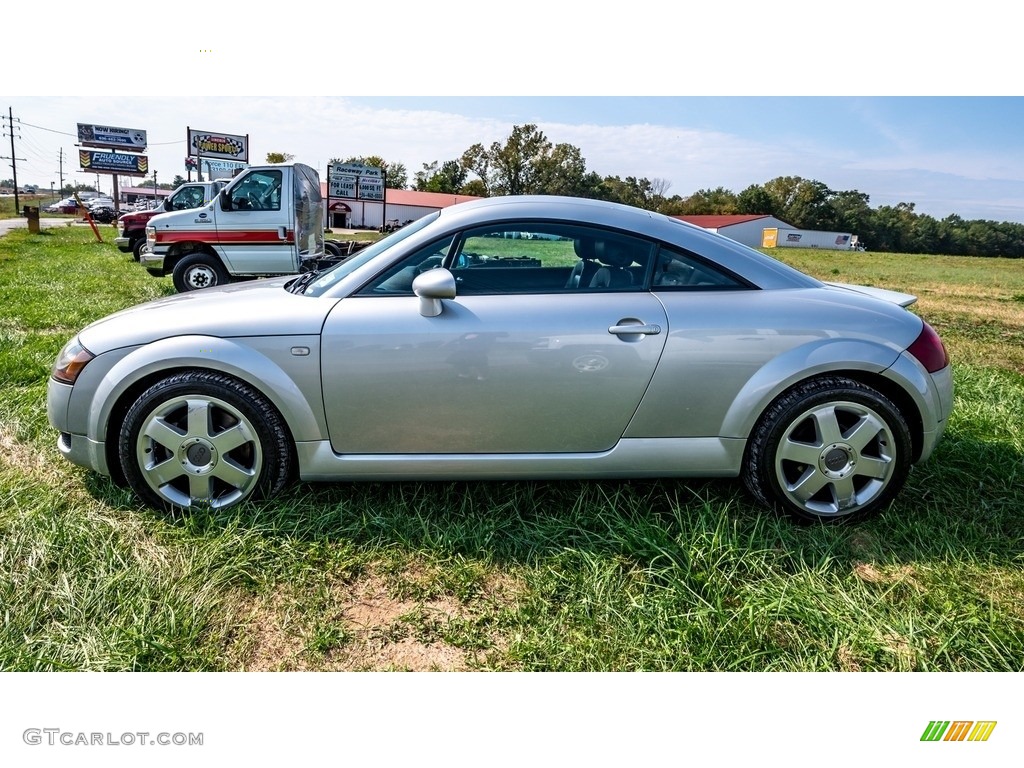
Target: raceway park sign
(113,162)
(131,139)
(224,146)
(356,181)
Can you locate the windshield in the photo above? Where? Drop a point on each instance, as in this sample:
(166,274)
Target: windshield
(332,275)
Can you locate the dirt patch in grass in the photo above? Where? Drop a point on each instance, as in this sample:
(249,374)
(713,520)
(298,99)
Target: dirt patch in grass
(363,625)
(886,576)
(19,456)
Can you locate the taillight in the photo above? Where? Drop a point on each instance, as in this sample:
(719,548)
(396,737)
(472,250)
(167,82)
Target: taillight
(929,350)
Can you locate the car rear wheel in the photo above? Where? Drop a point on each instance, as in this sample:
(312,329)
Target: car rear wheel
(198,270)
(830,449)
(203,439)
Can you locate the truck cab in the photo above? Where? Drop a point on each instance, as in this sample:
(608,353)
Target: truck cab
(267,221)
(131,234)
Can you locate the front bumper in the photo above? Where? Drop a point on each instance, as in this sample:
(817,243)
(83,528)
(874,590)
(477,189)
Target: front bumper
(123,243)
(78,449)
(153,262)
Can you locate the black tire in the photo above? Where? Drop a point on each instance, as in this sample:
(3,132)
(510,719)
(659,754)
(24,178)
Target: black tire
(137,245)
(332,250)
(198,270)
(828,450)
(173,458)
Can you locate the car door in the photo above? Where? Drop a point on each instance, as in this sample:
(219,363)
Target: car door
(255,234)
(522,360)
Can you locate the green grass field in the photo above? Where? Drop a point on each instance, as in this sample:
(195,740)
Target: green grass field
(512,576)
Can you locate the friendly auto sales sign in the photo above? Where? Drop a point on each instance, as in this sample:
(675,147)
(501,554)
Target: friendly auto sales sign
(105,136)
(113,162)
(225,146)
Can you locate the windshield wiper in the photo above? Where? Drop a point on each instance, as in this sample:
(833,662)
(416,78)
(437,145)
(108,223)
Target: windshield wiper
(300,285)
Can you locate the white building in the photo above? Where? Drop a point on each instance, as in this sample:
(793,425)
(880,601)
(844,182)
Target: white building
(399,205)
(742,227)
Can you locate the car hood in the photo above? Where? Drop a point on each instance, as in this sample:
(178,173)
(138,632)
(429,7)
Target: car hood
(256,308)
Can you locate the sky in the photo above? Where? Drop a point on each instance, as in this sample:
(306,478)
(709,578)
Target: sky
(899,108)
(944,154)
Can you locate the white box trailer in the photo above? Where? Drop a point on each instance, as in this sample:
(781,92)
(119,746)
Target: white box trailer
(775,237)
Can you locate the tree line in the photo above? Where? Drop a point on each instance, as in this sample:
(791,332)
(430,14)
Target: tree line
(527,162)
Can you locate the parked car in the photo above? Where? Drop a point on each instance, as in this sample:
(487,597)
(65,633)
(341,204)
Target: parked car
(67,205)
(104,214)
(613,343)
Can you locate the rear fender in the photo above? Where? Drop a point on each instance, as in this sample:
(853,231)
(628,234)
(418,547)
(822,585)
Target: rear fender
(819,358)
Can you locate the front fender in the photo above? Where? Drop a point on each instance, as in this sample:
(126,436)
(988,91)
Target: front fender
(818,358)
(260,362)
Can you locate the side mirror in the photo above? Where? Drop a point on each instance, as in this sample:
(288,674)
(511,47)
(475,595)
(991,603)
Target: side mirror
(432,286)
(225,200)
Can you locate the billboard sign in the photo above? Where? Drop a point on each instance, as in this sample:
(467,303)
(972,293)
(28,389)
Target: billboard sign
(107,137)
(356,181)
(215,169)
(223,146)
(113,162)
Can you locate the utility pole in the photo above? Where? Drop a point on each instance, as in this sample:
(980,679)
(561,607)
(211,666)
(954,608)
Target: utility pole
(60,158)
(14,160)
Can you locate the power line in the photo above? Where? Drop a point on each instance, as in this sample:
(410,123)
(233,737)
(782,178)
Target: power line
(13,158)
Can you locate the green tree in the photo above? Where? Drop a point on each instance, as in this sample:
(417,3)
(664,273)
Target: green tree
(755,200)
(477,160)
(562,171)
(449,177)
(852,212)
(628,191)
(804,203)
(718,201)
(279,157)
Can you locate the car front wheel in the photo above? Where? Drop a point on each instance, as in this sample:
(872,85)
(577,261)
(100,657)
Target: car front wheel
(203,439)
(198,270)
(137,245)
(827,450)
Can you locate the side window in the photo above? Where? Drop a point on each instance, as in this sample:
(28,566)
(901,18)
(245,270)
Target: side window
(683,271)
(184,198)
(397,281)
(259,191)
(548,258)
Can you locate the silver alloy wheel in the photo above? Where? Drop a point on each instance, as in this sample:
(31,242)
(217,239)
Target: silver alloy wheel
(835,458)
(199,450)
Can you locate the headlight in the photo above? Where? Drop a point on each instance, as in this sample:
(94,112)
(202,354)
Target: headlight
(70,362)
(150,236)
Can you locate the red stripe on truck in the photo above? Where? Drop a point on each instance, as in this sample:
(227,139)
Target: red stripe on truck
(247,237)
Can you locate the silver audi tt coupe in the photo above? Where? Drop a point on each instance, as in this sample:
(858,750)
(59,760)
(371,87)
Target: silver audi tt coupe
(514,338)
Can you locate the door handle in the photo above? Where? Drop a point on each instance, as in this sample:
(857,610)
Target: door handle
(630,330)
(282,233)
